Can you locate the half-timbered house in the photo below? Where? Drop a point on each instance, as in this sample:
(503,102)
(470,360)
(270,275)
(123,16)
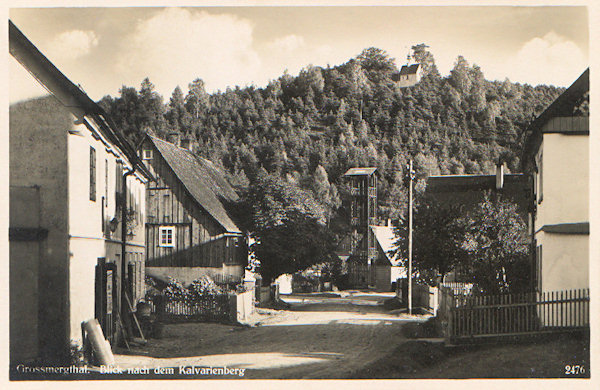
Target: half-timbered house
(190,230)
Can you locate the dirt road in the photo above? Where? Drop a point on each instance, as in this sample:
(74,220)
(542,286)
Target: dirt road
(318,337)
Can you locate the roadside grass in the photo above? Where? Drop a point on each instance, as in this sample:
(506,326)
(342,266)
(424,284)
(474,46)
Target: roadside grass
(428,329)
(529,358)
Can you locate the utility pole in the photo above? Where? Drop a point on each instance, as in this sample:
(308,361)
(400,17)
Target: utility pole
(411,176)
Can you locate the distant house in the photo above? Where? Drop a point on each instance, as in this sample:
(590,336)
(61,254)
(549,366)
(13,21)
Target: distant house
(408,76)
(190,231)
(469,190)
(556,155)
(77,214)
(388,266)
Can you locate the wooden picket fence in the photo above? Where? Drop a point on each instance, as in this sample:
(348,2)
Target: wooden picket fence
(458,288)
(227,280)
(209,308)
(513,314)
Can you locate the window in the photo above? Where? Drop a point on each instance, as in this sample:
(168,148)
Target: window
(92,174)
(541,181)
(538,268)
(166,208)
(166,236)
(103,217)
(118,182)
(147,154)
(539,188)
(106,182)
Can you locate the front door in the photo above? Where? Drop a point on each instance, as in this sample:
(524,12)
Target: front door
(106,293)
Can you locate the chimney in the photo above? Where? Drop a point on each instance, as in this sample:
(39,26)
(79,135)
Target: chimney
(499,176)
(186,143)
(389,222)
(173,137)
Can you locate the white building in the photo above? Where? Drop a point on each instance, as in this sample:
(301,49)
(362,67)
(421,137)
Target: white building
(73,180)
(557,155)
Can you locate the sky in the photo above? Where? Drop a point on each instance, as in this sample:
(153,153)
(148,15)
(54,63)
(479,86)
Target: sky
(102,49)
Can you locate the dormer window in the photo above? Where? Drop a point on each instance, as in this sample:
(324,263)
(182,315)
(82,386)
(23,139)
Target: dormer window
(147,154)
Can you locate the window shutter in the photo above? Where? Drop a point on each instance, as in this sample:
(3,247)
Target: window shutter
(92,174)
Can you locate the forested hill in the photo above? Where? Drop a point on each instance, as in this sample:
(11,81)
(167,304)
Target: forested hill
(309,129)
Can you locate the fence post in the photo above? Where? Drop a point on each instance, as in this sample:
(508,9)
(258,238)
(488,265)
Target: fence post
(233,310)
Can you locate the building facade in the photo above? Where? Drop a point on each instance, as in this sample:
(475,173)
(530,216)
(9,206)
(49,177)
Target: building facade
(408,76)
(557,158)
(73,180)
(190,230)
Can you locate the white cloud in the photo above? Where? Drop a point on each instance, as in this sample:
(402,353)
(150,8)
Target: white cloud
(551,59)
(287,43)
(176,46)
(72,44)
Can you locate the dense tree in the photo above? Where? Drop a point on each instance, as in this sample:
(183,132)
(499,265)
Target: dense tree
(438,240)
(424,57)
(487,244)
(176,115)
(287,224)
(311,127)
(496,246)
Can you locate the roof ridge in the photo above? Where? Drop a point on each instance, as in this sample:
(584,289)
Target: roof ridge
(204,182)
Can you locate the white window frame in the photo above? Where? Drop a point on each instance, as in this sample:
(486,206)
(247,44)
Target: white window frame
(163,236)
(147,154)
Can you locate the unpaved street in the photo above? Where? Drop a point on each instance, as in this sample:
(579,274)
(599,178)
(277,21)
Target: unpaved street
(318,337)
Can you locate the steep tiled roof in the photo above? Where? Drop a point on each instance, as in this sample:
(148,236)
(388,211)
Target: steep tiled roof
(572,103)
(567,103)
(203,180)
(409,69)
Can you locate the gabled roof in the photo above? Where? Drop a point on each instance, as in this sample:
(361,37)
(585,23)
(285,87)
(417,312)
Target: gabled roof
(70,95)
(360,171)
(386,238)
(203,180)
(568,104)
(409,69)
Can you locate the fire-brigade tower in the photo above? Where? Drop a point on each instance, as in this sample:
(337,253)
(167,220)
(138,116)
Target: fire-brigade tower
(363,214)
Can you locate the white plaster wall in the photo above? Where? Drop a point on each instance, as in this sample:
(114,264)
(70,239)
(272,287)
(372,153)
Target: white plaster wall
(565,262)
(84,255)
(565,180)
(87,242)
(285,283)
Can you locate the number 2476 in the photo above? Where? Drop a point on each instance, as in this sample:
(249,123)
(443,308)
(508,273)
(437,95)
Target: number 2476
(574,370)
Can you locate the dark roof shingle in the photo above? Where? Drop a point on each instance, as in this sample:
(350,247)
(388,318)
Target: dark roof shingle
(203,180)
(409,69)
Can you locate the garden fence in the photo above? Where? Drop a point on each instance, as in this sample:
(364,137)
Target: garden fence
(513,314)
